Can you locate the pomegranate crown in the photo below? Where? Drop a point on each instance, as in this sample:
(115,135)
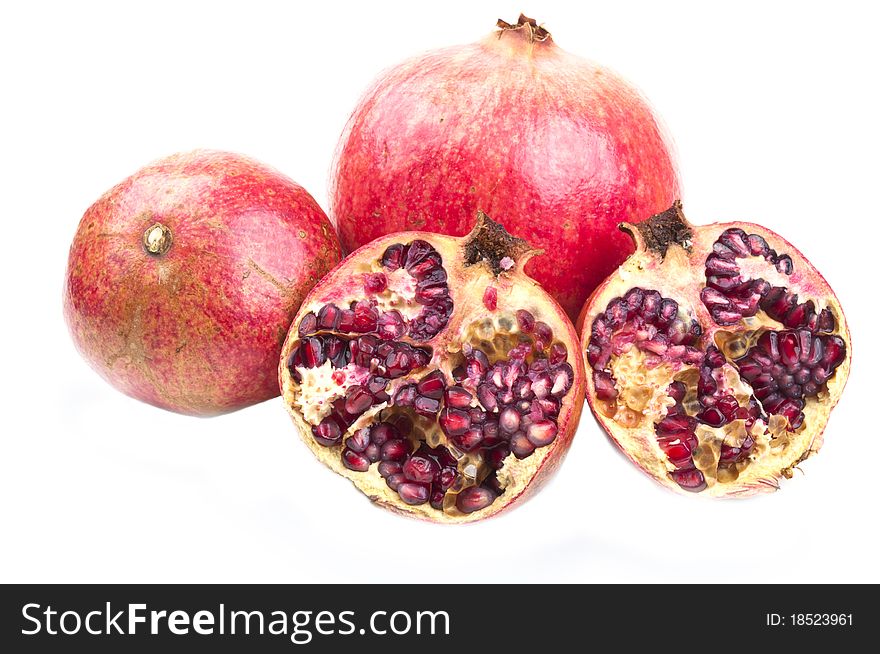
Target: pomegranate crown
(490,243)
(528,25)
(661,230)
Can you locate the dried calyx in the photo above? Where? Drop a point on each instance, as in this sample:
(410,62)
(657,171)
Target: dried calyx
(434,374)
(715,355)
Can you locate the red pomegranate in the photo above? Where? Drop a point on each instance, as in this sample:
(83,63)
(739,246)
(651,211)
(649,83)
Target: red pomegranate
(558,149)
(183,279)
(715,354)
(433,373)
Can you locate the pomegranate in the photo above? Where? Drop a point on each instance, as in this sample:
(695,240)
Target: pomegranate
(559,148)
(433,373)
(183,279)
(715,354)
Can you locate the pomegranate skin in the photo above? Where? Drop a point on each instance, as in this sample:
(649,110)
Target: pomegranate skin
(182,280)
(556,148)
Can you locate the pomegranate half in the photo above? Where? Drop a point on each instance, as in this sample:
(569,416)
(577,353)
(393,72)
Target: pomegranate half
(182,280)
(433,373)
(558,148)
(715,354)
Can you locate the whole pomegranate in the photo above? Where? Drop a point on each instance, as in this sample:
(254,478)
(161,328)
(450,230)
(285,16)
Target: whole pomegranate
(183,279)
(433,373)
(558,148)
(715,354)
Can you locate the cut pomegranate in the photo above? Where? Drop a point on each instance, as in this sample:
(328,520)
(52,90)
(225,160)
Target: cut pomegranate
(716,354)
(366,374)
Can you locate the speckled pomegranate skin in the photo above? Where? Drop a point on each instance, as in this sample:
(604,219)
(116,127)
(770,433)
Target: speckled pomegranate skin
(556,148)
(197,329)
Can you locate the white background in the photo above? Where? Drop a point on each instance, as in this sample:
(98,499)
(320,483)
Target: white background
(774,110)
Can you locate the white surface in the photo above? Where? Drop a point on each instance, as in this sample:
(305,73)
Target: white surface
(774,110)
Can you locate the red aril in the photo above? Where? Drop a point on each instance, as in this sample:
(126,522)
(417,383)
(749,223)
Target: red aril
(444,394)
(556,148)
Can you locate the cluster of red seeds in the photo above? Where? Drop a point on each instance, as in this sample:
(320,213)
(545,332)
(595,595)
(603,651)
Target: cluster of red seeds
(493,409)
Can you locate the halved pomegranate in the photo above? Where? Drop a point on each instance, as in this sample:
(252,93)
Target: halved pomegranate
(715,354)
(434,374)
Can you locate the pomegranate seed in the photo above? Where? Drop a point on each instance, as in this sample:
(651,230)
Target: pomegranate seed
(563,378)
(675,451)
(633,301)
(376,384)
(395,480)
(558,354)
(432,385)
(474,499)
(487,398)
(495,457)
(522,389)
(420,468)
(336,351)
(358,441)
(541,433)
(382,432)
(674,425)
(365,317)
(395,450)
(394,256)
(426,406)
(520,351)
(454,422)
(509,420)
(437,496)
(784,264)
(417,251)
(426,266)
(375,283)
(676,391)
(712,417)
(543,335)
(412,493)
(373,452)
(520,445)
(458,397)
(690,480)
(835,352)
(448,477)
(405,395)
(355,461)
(469,440)
(328,316)
(429,292)
(312,352)
(757,245)
(525,321)
(357,400)
(388,468)
(346,321)
(308,325)
(490,298)
(328,432)
(477,365)
(603,382)
(390,326)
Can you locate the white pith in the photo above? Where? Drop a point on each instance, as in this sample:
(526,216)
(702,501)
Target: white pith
(468,322)
(776,451)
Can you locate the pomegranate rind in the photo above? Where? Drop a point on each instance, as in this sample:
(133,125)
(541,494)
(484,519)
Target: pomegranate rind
(198,328)
(680,275)
(468,127)
(521,479)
